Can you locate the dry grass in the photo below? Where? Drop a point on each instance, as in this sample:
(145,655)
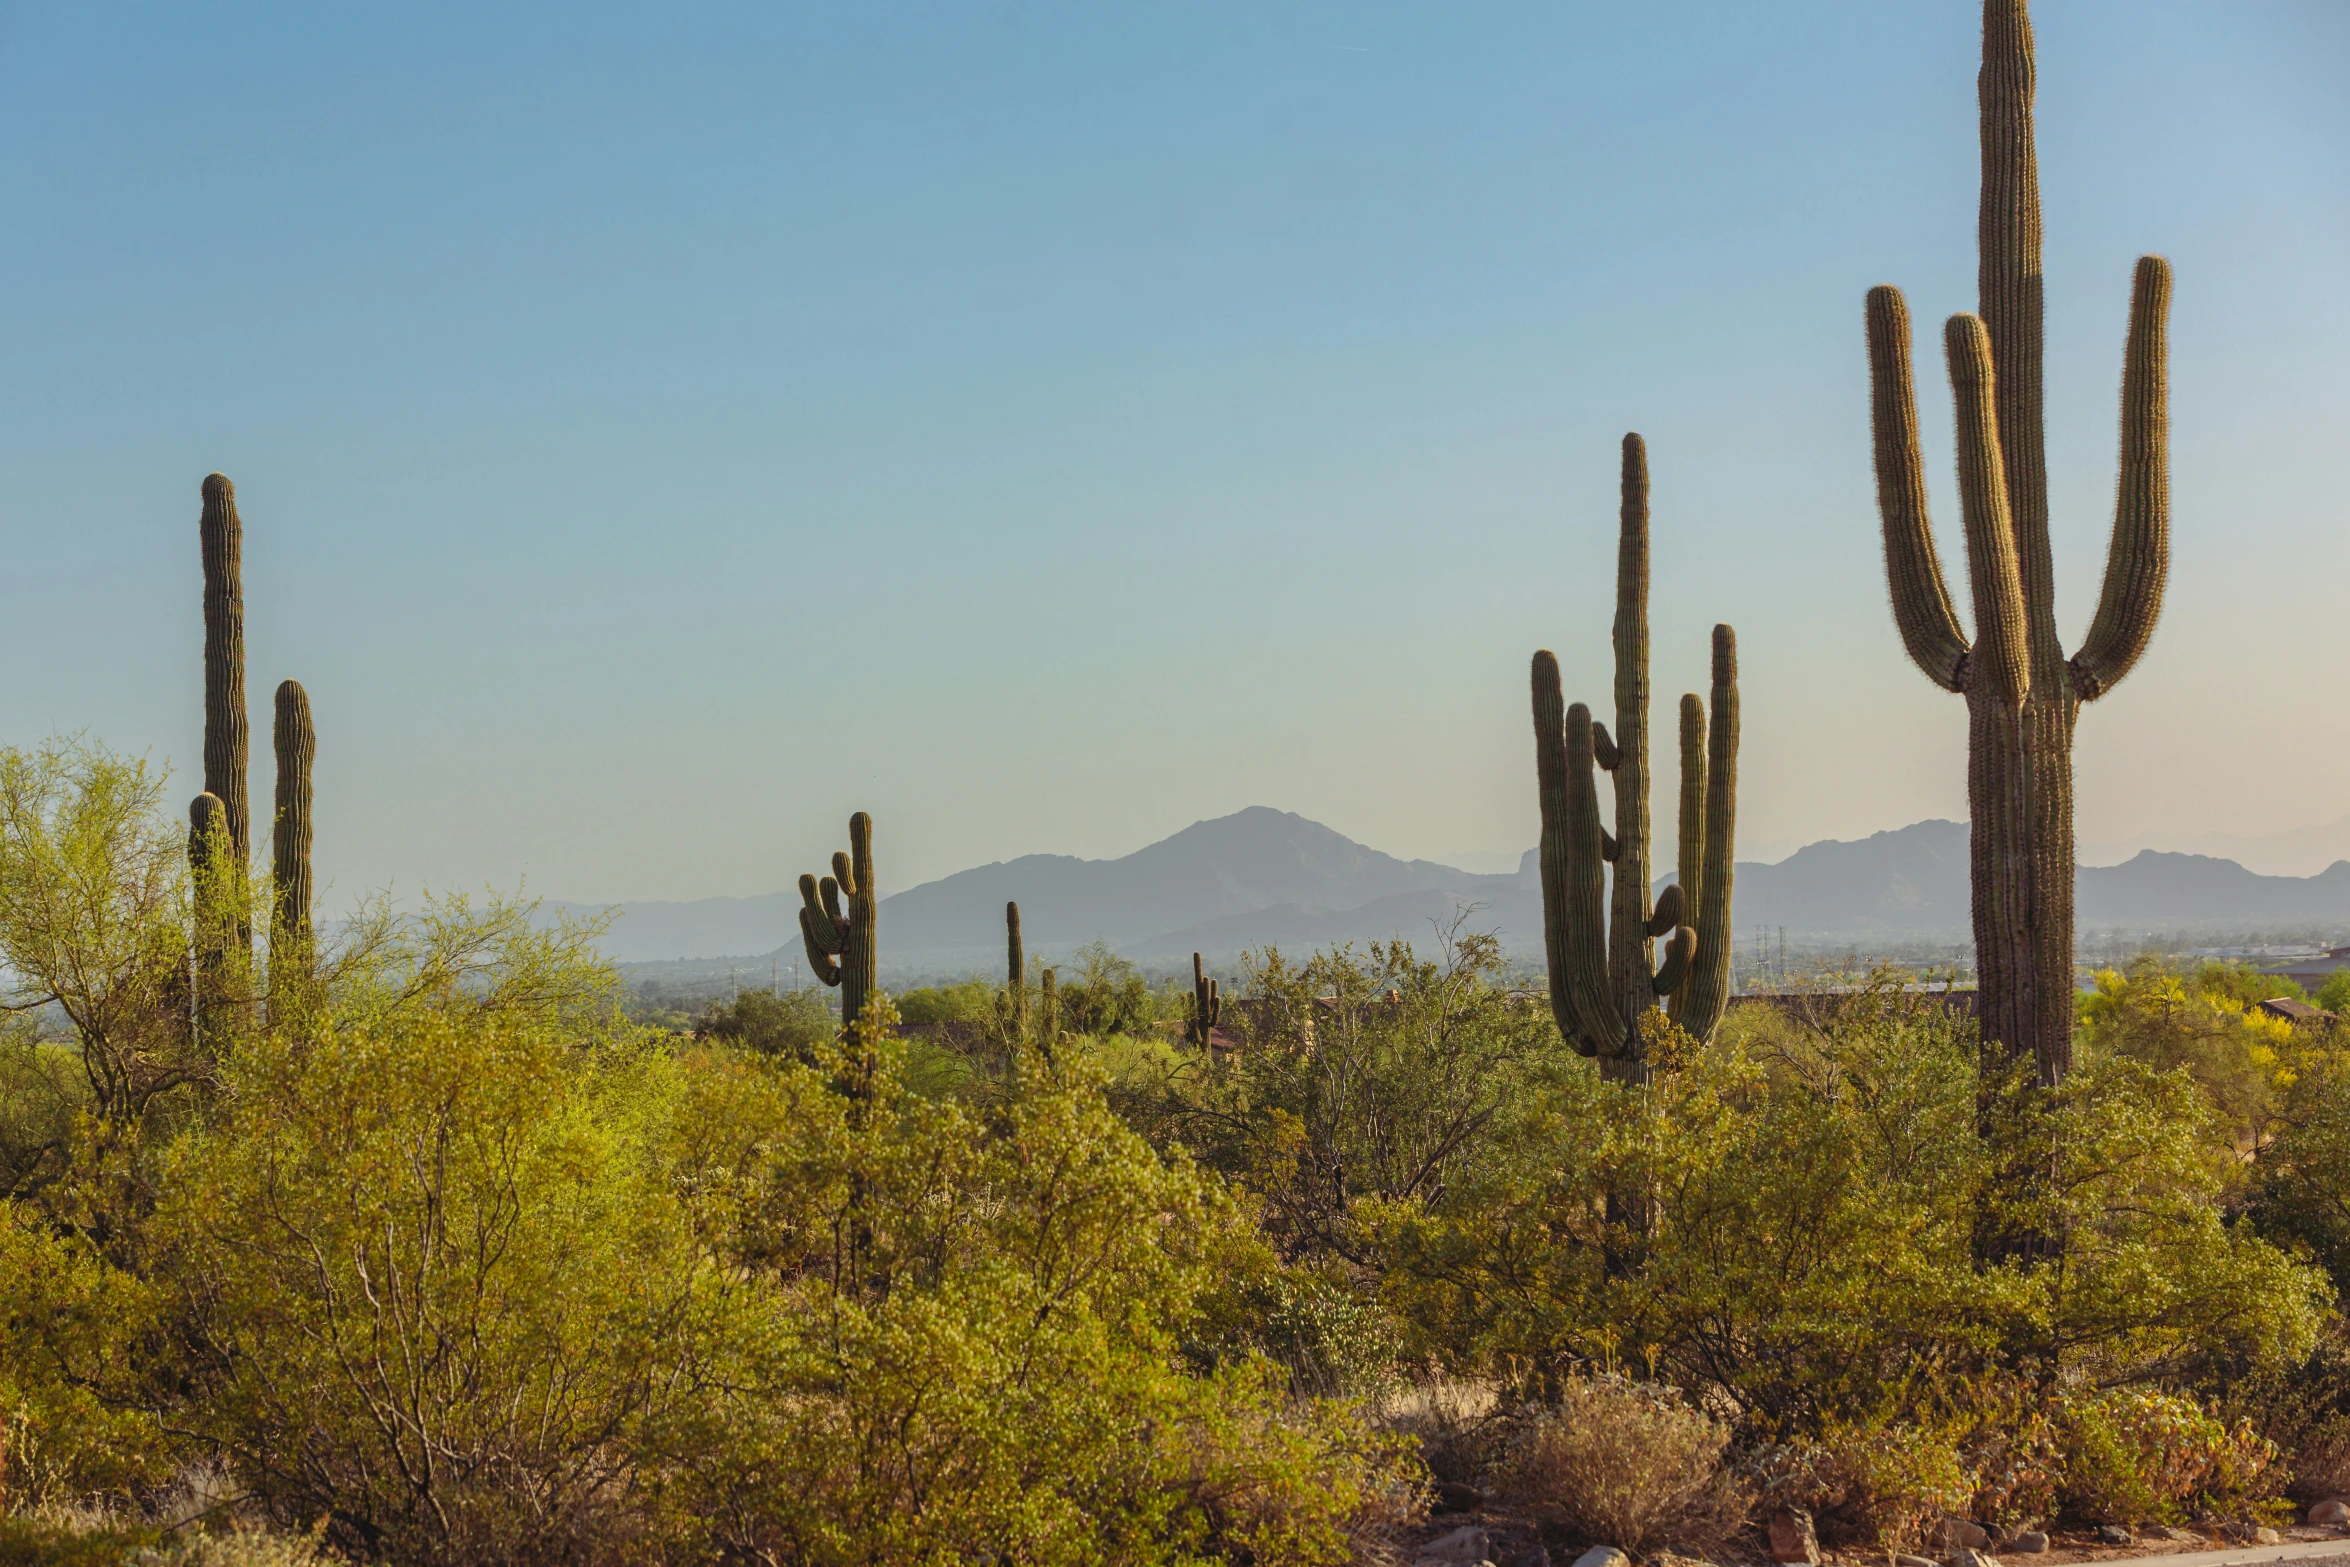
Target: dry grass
(1623,1464)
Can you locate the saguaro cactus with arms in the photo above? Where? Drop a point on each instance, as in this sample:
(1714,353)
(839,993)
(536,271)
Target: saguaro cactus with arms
(1602,983)
(2023,694)
(840,940)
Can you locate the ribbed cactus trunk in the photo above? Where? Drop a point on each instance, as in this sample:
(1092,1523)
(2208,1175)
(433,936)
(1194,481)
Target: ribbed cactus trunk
(218,985)
(290,945)
(1015,974)
(840,939)
(2023,694)
(226,734)
(1603,987)
(1207,1007)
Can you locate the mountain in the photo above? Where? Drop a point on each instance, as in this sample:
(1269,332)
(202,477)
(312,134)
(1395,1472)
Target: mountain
(1264,877)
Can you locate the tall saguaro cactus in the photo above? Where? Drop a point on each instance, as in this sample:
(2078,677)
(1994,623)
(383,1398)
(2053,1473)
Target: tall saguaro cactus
(297,747)
(840,942)
(225,730)
(2023,694)
(1207,1006)
(219,986)
(1602,984)
(1015,974)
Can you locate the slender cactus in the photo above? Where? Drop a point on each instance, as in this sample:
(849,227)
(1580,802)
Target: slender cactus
(1601,981)
(225,729)
(211,876)
(290,886)
(1207,1007)
(1015,974)
(840,944)
(2023,694)
(1048,1012)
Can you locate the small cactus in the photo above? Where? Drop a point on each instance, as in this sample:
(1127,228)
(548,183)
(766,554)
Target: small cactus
(213,882)
(1015,974)
(840,943)
(1048,1012)
(1207,1007)
(297,746)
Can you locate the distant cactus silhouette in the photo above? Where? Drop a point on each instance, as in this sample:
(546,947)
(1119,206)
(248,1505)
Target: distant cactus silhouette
(2023,694)
(225,730)
(1048,1012)
(1015,974)
(297,747)
(1601,982)
(1207,1007)
(840,942)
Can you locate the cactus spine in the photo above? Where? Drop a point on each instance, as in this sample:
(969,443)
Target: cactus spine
(1602,986)
(297,747)
(2023,694)
(1015,973)
(840,943)
(225,729)
(1207,1007)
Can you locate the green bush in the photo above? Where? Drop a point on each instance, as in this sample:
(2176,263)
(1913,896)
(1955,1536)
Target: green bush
(2142,1456)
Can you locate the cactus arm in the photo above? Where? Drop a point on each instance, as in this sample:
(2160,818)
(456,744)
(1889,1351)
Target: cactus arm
(2137,561)
(829,891)
(226,733)
(815,936)
(1607,846)
(1668,911)
(1679,953)
(1922,610)
(2009,290)
(2002,653)
(1689,854)
(1699,1004)
(1603,750)
(1573,883)
(862,960)
(296,743)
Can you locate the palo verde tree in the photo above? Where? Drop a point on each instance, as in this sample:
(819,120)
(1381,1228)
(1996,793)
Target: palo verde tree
(1603,982)
(2023,694)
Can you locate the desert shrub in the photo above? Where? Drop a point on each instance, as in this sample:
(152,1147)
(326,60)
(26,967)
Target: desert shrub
(959,1339)
(2143,1456)
(1629,1465)
(2204,1023)
(1812,1203)
(79,1360)
(66,1540)
(438,1285)
(1886,1484)
(970,1001)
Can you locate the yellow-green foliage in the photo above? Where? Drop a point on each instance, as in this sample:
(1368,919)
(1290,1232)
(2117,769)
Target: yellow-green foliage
(2205,1023)
(2143,1456)
(1810,1204)
(79,1359)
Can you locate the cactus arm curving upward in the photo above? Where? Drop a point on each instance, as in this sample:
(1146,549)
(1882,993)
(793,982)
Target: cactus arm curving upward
(1913,569)
(1689,857)
(2002,655)
(2137,561)
(1699,1004)
(211,862)
(296,744)
(1574,923)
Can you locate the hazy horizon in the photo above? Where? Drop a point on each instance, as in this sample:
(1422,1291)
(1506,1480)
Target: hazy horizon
(660,435)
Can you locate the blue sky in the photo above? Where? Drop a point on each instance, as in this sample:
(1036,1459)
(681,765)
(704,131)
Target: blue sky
(662,431)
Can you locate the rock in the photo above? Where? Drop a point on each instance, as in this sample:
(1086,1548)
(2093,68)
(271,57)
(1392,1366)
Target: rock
(2024,1542)
(2264,1535)
(1466,1545)
(1962,1534)
(1454,1497)
(1792,1538)
(2115,1534)
(2248,1533)
(1901,1560)
(2333,1514)
(1968,1556)
(1603,1556)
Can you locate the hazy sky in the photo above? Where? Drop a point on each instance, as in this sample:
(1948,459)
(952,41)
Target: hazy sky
(661,431)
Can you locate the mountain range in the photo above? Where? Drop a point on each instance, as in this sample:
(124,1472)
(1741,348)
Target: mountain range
(1262,876)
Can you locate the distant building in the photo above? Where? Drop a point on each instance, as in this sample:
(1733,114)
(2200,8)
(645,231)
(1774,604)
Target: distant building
(2312,972)
(2298,1013)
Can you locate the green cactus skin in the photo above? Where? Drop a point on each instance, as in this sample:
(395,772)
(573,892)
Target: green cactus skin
(840,945)
(1015,973)
(2023,694)
(1048,1012)
(1207,1006)
(210,867)
(226,734)
(1601,982)
(297,747)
